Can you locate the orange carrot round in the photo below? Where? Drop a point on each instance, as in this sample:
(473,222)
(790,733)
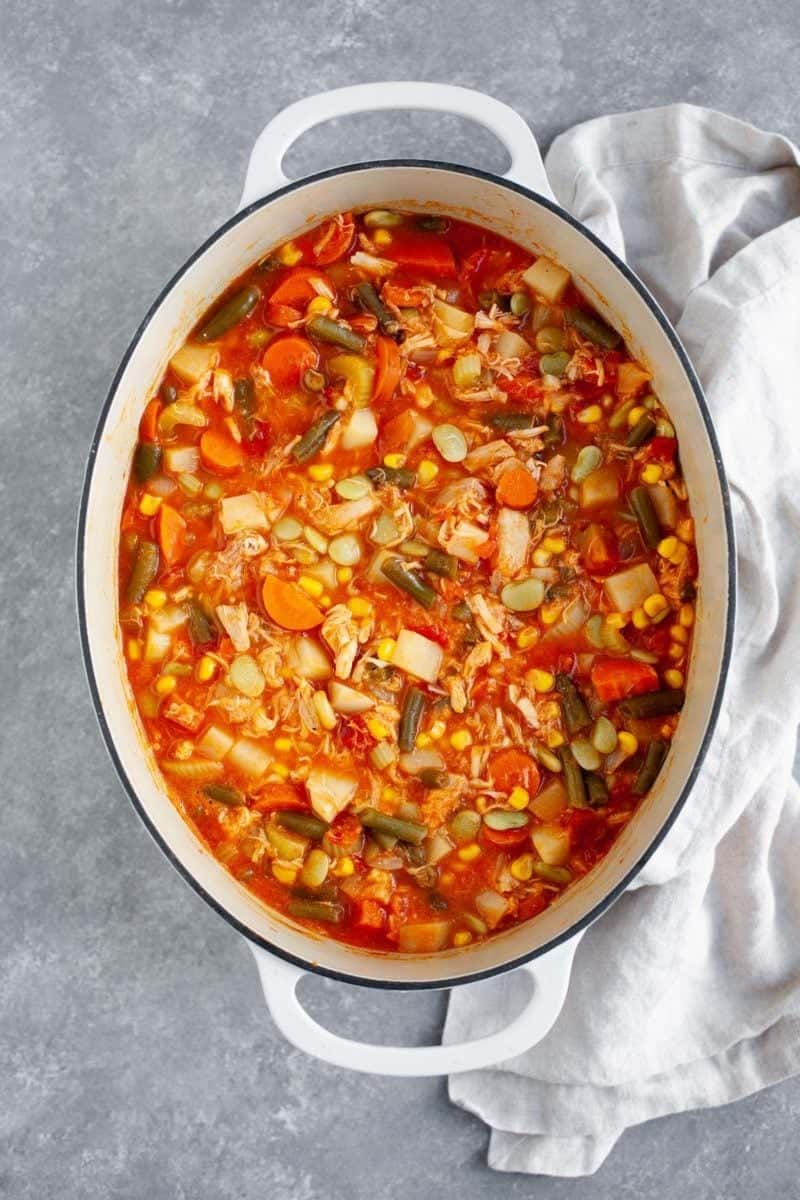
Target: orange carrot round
(171,532)
(388,371)
(514,768)
(287,358)
(220,453)
(298,287)
(148,426)
(289,606)
(517,488)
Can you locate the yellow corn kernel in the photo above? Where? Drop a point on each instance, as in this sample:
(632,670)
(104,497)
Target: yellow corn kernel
(437,730)
(542,681)
(325,601)
(635,415)
(312,587)
(685,529)
(655,605)
(149,505)
(550,613)
(678,634)
(394,461)
(133,650)
(667,546)
(320,472)
(640,618)
(377,728)
(556,545)
(541,557)
(550,711)
(283,745)
(462,938)
(679,553)
(554,739)
(469,852)
(318,306)
(673,678)
(676,651)
(183,750)
(289,254)
(617,620)
(155,598)
(651,473)
(591,414)
(277,768)
(427,471)
(359,606)
(385,649)
(389,794)
(206,669)
(627,742)
(686,616)
(343,867)
(322,706)
(285,875)
(461,739)
(527,637)
(344,574)
(522,867)
(422,740)
(382,237)
(519,798)
(424,397)
(166,684)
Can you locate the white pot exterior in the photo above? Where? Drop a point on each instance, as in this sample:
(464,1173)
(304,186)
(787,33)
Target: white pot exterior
(539,226)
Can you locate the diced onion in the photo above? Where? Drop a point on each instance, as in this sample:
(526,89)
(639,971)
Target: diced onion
(178,459)
(417,655)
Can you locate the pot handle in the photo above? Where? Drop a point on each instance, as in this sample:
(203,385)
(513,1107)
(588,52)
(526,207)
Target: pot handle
(264,171)
(549,976)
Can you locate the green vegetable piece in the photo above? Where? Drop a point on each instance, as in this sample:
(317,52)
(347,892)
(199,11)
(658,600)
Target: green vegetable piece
(202,629)
(146,461)
(304,823)
(432,778)
(505,818)
(576,714)
(550,339)
(596,790)
(642,506)
(143,572)
(509,421)
(400,477)
(404,831)
(488,298)
(558,875)
(554,364)
(313,381)
(314,438)
(520,303)
(653,704)
(316,910)
(442,564)
(619,416)
(388,323)
(591,326)
(408,581)
(411,718)
(223,795)
(337,335)
(232,312)
(433,224)
(642,431)
(653,761)
(573,779)
(169,394)
(555,431)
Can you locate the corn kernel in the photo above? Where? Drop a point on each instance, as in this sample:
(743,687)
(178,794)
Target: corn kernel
(394,461)
(149,505)
(344,574)
(667,546)
(550,613)
(655,604)
(462,938)
(673,678)
(377,728)
(679,553)
(461,739)
(550,711)
(591,414)
(318,306)
(155,598)
(285,875)
(206,669)
(541,557)
(166,684)
(322,705)
(320,472)
(554,739)
(678,634)
(617,620)
(627,742)
(640,618)
(382,237)
(389,794)
(283,745)
(470,852)
(686,616)
(635,415)
(437,730)
(427,471)
(527,637)
(651,473)
(183,751)
(280,769)
(423,740)
(312,587)
(676,651)
(542,681)
(343,867)
(385,649)
(556,545)
(519,798)
(685,529)
(424,398)
(133,650)
(289,254)
(325,601)
(359,606)
(522,867)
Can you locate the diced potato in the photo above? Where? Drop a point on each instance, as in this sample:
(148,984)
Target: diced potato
(547,279)
(424,938)
(330,791)
(417,655)
(451,324)
(361,430)
(551,843)
(467,370)
(630,378)
(308,659)
(181,459)
(600,489)
(237,513)
(629,589)
(215,743)
(157,645)
(550,801)
(192,362)
(511,345)
(249,757)
(665,504)
(169,618)
(492,907)
(345,699)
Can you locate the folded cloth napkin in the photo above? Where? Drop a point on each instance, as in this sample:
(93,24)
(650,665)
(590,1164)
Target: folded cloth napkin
(686,994)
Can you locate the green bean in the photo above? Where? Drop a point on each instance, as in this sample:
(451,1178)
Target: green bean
(596,790)
(488,298)
(369,299)
(554,364)
(559,875)
(401,477)
(654,704)
(146,461)
(232,312)
(592,328)
(201,626)
(520,303)
(404,831)
(270,263)
(576,714)
(653,761)
(338,335)
(223,795)
(461,611)
(509,421)
(619,416)
(244,399)
(642,431)
(432,778)
(408,581)
(411,718)
(143,572)
(314,438)
(169,394)
(437,902)
(642,506)
(555,431)
(442,564)
(316,910)
(573,778)
(433,224)
(304,823)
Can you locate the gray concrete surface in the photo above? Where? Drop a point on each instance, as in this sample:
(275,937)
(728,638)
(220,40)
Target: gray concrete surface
(136,1058)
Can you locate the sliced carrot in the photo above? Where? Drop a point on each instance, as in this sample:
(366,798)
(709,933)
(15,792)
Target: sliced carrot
(335,240)
(506,838)
(171,531)
(220,453)
(388,371)
(616,678)
(289,606)
(282,315)
(298,287)
(148,426)
(287,358)
(517,488)
(281,797)
(514,768)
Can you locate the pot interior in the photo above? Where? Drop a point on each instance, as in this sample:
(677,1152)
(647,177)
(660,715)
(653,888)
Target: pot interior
(538,227)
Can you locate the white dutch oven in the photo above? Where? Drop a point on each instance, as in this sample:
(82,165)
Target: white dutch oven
(519,206)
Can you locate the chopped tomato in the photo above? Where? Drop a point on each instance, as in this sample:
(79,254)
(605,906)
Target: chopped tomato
(600,549)
(301,285)
(433,633)
(345,835)
(662,449)
(281,796)
(616,678)
(522,388)
(532,904)
(511,768)
(423,252)
(283,315)
(371,914)
(335,239)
